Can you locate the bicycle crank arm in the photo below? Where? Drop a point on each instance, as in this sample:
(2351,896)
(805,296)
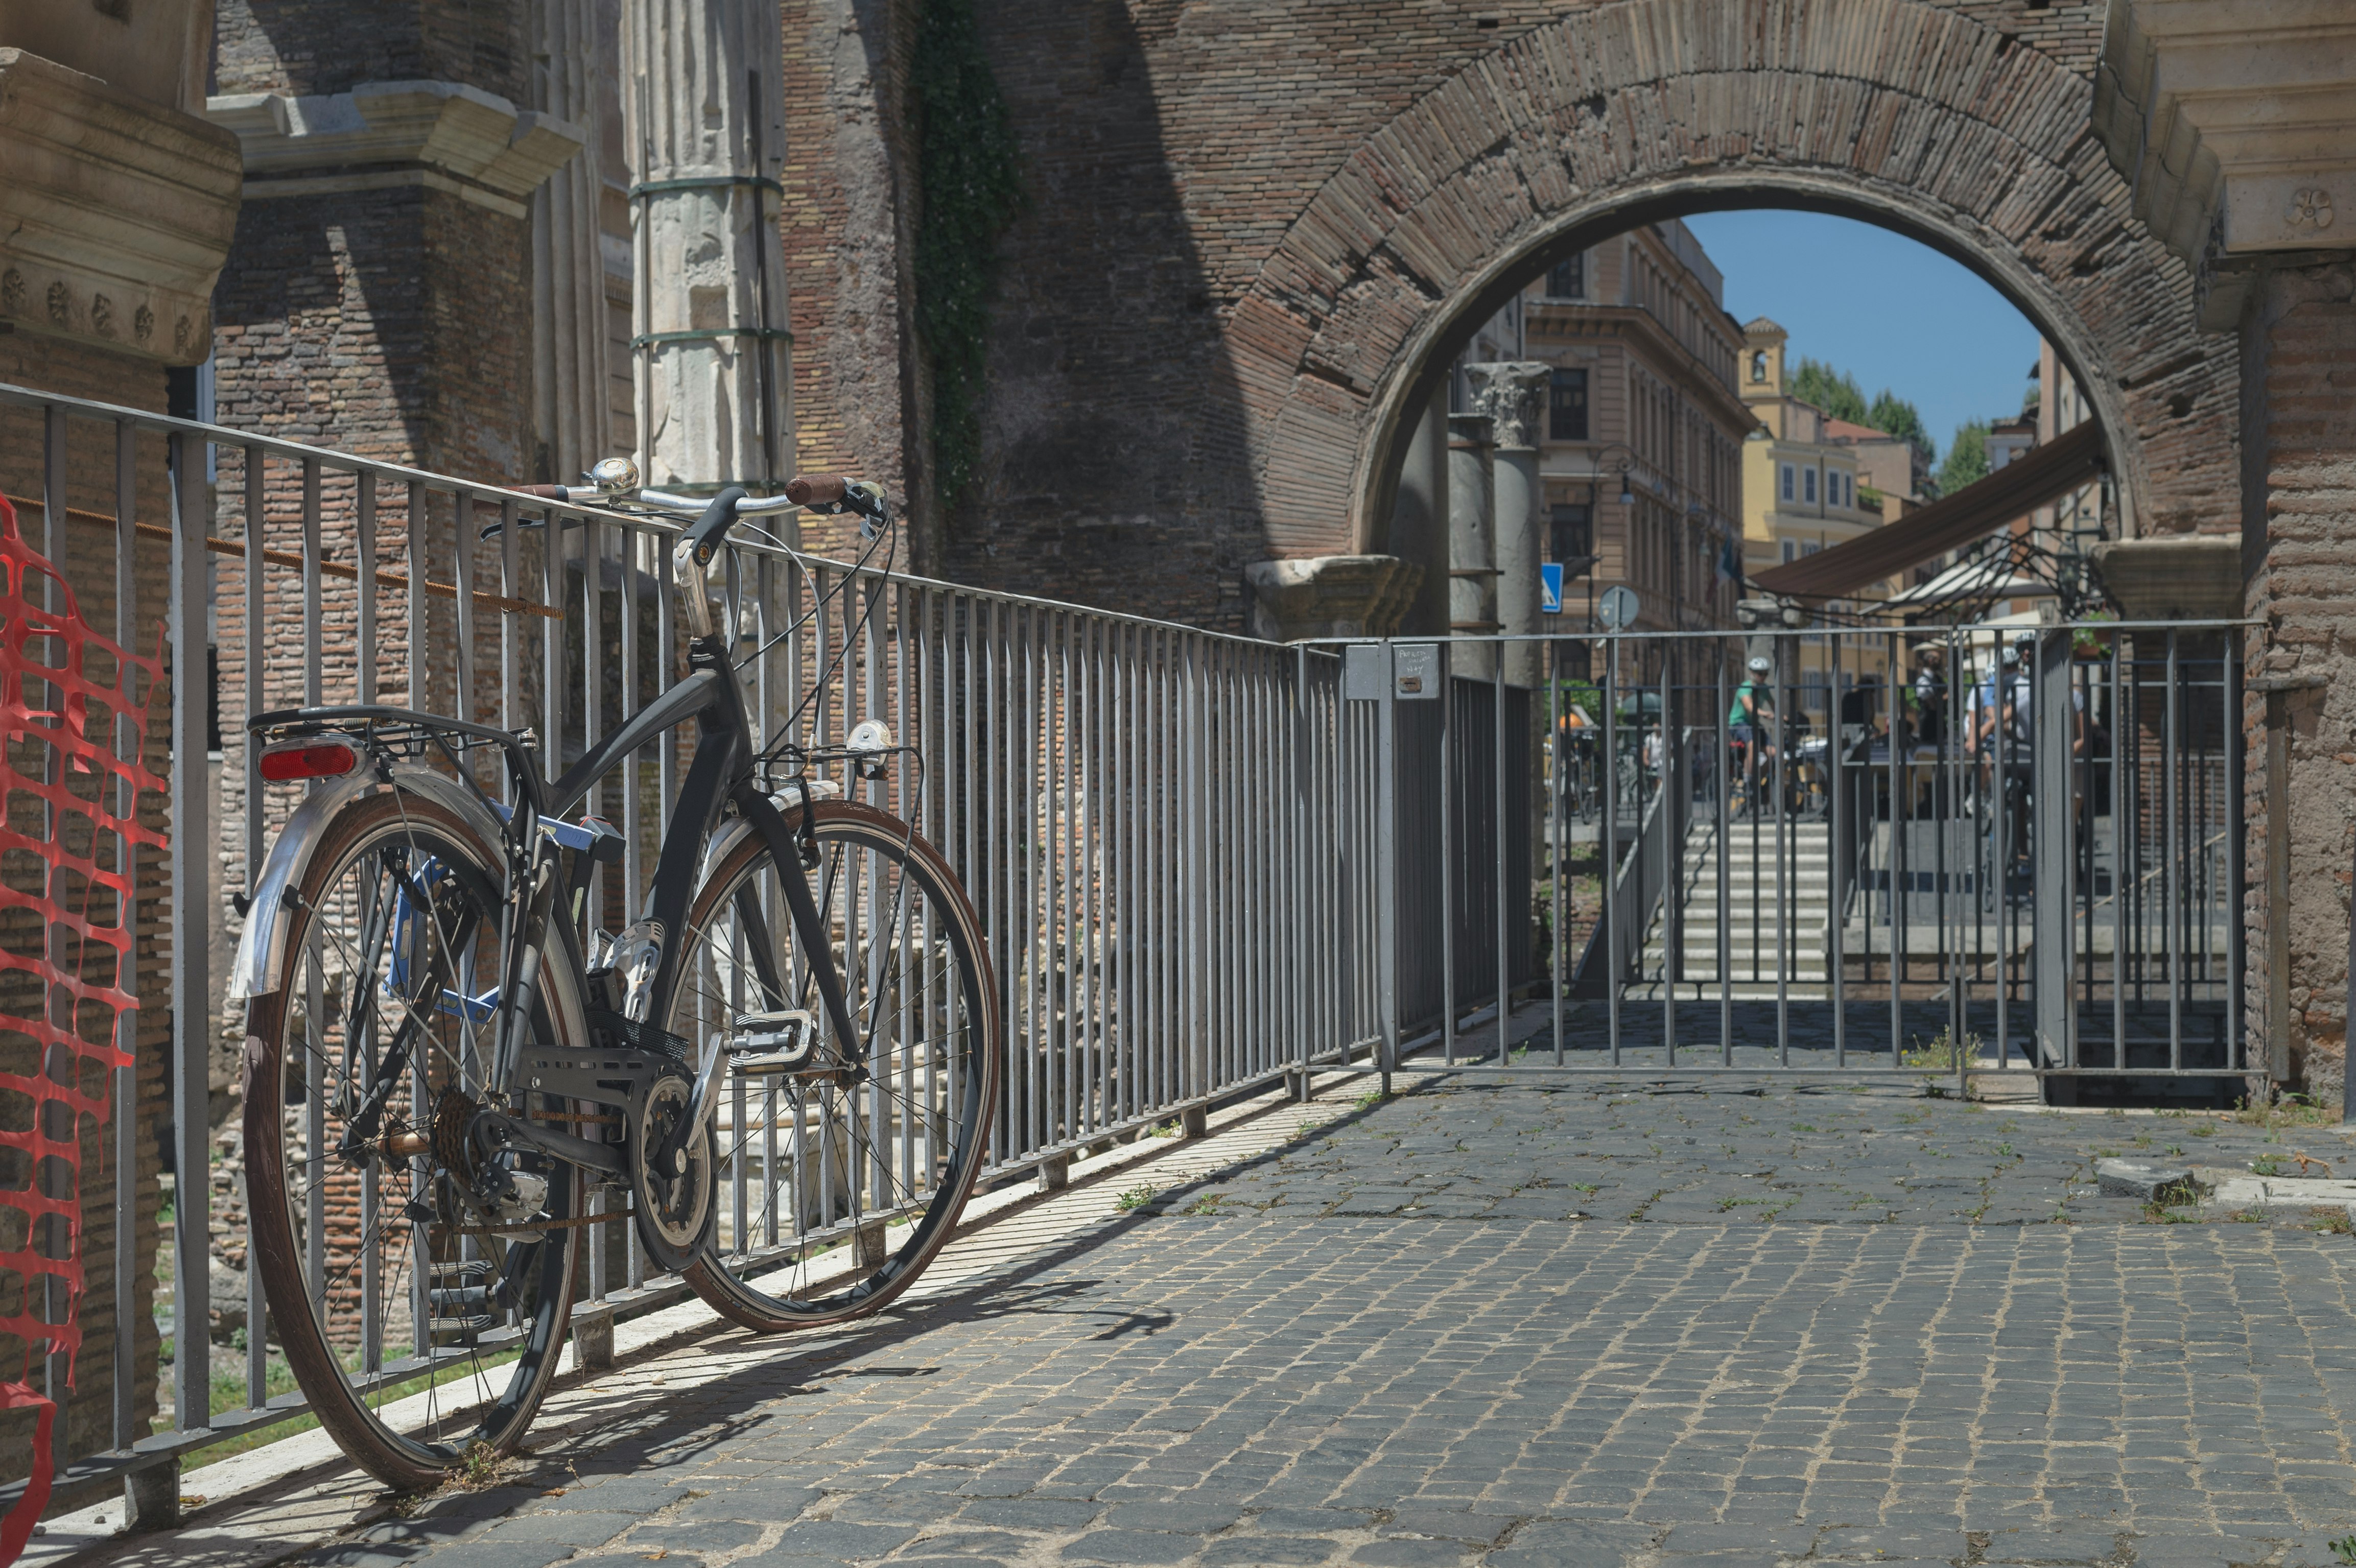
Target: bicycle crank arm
(699,1110)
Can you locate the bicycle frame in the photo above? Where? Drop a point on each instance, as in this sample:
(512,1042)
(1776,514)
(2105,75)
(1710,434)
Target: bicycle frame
(720,775)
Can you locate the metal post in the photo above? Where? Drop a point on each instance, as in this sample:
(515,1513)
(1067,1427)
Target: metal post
(2050,814)
(191,922)
(1610,856)
(1505,837)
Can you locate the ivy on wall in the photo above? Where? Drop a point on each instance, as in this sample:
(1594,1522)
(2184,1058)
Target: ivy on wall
(970,169)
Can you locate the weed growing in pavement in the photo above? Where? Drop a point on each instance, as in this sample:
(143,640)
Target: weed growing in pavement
(1206,1206)
(2345,1549)
(2265,1165)
(1136,1197)
(1802,1128)
(2161,1214)
(1940,1053)
(2005,1149)
(2249,1217)
(2331,1222)
(2290,1111)
(2206,1130)
(1372,1098)
(1169,1129)
(2176,1149)
(2142,1140)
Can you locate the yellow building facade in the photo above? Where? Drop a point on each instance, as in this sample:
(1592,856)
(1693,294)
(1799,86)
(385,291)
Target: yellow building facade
(1800,495)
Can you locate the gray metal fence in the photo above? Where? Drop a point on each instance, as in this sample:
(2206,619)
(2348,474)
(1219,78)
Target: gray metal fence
(1170,833)
(2005,848)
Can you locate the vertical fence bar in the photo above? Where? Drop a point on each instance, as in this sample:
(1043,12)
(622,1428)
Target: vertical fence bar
(191,919)
(1611,848)
(1504,839)
(127,742)
(2237,1053)
(1673,855)
(2171,761)
(1840,858)
(1721,779)
(1447,842)
(1558,830)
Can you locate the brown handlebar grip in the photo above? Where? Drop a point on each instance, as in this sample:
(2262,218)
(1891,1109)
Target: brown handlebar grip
(815,489)
(545,492)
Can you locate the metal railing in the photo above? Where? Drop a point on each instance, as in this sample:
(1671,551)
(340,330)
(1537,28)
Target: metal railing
(2030,869)
(1170,833)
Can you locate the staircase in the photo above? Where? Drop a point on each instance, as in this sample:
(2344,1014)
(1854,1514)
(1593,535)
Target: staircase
(1752,927)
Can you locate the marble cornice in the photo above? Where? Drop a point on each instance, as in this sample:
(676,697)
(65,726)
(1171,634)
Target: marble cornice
(116,213)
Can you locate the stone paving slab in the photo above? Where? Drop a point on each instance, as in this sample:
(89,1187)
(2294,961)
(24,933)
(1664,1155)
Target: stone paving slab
(1236,1366)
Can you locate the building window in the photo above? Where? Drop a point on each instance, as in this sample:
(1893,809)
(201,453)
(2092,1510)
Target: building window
(1787,481)
(1570,534)
(1759,365)
(1568,280)
(1790,552)
(1808,485)
(1567,406)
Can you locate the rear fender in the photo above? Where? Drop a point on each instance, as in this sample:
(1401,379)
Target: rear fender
(270,919)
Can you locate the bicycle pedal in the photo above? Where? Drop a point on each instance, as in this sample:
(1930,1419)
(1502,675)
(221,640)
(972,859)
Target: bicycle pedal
(765,1044)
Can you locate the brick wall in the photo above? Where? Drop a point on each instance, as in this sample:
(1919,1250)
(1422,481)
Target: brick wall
(332,46)
(2299,341)
(1246,225)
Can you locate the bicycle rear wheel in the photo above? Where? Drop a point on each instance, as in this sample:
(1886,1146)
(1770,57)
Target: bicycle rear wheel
(851,1174)
(414,1331)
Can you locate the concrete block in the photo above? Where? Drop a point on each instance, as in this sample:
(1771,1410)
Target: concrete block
(2146,1180)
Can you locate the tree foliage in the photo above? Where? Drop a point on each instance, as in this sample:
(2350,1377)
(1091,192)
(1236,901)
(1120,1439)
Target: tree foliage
(1895,415)
(1834,391)
(969,170)
(1968,459)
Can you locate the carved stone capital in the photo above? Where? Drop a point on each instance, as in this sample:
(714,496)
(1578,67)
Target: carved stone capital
(443,134)
(1513,394)
(116,213)
(1330,595)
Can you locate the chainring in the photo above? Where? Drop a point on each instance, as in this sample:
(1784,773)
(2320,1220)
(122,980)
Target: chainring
(675,1210)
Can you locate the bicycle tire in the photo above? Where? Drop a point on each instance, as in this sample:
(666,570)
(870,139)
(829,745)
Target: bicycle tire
(400,833)
(963,1067)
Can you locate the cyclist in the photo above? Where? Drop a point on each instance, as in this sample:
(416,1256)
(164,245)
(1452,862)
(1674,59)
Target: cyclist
(1749,717)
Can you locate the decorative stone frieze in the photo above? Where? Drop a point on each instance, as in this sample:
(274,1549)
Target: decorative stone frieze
(116,213)
(444,135)
(2233,123)
(1329,595)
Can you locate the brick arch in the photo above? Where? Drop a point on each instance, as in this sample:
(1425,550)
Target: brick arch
(1906,113)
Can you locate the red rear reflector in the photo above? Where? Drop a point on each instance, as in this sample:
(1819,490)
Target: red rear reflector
(328,761)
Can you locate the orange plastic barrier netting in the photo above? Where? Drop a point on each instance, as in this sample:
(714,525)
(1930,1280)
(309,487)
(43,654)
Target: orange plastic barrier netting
(74,802)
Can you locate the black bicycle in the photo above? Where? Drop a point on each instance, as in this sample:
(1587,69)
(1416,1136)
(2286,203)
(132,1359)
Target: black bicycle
(455,1084)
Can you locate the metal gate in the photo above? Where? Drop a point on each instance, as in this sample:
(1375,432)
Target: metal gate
(2003,848)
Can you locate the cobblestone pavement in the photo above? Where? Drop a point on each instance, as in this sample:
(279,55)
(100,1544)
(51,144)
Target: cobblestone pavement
(1396,1340)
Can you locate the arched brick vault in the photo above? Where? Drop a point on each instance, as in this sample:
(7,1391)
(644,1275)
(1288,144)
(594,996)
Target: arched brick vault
(1914,115)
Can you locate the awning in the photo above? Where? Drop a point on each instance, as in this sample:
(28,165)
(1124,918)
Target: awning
(1993,578)
(2045,474)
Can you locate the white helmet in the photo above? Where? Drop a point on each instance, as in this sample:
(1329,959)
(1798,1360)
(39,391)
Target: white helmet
(1760,664)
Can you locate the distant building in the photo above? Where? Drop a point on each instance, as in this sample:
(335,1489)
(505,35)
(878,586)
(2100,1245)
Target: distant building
(1644,404)
(1801,489)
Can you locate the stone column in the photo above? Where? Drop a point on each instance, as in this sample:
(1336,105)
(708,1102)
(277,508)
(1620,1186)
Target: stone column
(705,118)
(1472,557)
(1420,517)
(1513,395)
(568,342)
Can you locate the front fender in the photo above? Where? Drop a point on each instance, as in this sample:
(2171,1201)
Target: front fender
(262,950)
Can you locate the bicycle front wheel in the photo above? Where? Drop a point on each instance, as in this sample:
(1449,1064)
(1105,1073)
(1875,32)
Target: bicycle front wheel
(415,1330)
(841,1176)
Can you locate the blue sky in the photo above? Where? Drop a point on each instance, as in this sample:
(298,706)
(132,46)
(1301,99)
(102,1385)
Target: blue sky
(1891,311)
